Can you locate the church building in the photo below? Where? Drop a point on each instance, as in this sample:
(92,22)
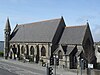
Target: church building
(40,41)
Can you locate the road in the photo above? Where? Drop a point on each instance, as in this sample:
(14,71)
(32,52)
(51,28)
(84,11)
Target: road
(97,72)
(6,72)
(15,67)
(20,69)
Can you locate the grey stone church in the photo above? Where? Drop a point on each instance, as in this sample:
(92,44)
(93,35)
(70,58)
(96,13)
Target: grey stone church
(40,41)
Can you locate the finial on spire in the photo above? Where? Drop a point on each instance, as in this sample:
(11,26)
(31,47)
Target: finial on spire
(7,17)
(62,18)
(87,22)
(16,24)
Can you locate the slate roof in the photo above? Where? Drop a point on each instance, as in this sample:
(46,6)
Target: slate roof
(42,31)
(78,53)
(56,51)
(73,35)
(69,49)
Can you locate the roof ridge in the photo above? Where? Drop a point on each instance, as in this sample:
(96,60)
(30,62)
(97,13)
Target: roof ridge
(40,21)
(75,26)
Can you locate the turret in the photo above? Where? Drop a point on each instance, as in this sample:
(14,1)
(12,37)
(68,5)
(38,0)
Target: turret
(7,31)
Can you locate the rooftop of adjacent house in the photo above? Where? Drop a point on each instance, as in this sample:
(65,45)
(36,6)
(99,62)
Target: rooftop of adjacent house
(73,35)
(97,43)
(42,31)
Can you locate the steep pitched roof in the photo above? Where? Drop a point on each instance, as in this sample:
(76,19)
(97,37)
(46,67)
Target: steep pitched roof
(70,49)
(78,53)
(73,35)
(42,31)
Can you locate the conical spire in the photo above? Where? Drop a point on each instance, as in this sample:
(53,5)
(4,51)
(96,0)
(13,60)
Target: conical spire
(8,25)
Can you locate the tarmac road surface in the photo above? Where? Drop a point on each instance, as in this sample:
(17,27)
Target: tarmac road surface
(5,72)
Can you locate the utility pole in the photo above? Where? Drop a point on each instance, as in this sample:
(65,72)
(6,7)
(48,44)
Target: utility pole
(81,65)
(55,65)
(77,65)
(47,69)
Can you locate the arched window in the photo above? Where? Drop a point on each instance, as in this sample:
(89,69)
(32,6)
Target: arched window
(27,50)
(22,50)
(43,51)
(18,47)
(32,50)
(14,49)
(60,54)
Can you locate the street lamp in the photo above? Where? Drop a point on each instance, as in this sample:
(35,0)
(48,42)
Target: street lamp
(55,59)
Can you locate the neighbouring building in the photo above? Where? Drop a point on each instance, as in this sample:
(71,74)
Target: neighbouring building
(39,41)
(1,46)
(97,51)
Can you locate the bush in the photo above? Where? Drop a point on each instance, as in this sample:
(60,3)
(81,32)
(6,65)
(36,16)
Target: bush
(1,54)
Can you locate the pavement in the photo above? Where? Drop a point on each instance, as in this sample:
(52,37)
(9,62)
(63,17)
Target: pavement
(27,68)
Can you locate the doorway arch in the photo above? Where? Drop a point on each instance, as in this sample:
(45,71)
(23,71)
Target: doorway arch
(32,53)
(18,54)
(22,50)
(60,54)
(31,50)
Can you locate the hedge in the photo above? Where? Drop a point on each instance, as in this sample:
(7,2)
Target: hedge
(98,66)
(1,54)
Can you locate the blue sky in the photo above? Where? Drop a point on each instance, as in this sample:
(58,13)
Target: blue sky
(75,12)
